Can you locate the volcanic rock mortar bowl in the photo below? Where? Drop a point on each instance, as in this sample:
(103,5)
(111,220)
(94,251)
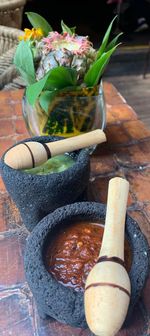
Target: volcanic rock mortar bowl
(53,298)
(38,195)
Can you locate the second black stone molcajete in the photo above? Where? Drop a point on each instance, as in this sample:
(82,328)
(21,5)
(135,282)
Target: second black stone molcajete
(38,195)
(52,297)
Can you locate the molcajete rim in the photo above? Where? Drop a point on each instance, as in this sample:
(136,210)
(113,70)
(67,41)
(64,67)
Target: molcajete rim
(67,186)
(63,303)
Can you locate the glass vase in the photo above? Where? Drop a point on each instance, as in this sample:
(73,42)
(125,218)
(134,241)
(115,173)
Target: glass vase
(69,114)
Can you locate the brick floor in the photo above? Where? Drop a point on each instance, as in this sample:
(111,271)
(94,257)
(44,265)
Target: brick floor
(126,154)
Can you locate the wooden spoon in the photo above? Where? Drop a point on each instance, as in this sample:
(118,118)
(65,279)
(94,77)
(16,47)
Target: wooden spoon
(107,290)
(32,154)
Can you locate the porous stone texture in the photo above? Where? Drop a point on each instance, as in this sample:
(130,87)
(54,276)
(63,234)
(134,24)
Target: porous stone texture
(62,303)
(38,195)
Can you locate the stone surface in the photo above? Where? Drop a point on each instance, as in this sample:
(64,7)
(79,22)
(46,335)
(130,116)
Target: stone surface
(69,308)
(19,314)
(38,195)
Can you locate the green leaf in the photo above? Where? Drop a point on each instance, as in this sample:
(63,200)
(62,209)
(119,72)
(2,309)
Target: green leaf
(38,21)
(46,98)
(61,77)
(73,29)
(96,70)
(34,90)
(113,42)
(23,60)
(105,39)
(56,78)
(65,28)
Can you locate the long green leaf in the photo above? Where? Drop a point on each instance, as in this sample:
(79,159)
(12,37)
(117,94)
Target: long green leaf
(46,98)
(38,21)
(73,29)
(33,91)
(105,39)
(61,77)
(113,42)
(65,28)
(23,60)
(57,78)
(96,70)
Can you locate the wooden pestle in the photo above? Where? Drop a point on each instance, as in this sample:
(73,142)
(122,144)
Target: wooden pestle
(107,290)
(32,154)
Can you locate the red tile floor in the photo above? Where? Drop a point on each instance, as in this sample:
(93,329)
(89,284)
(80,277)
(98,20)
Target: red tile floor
(126,153)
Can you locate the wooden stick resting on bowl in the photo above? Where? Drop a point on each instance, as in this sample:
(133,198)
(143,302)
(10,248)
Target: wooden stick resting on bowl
(107,290)
(31,154)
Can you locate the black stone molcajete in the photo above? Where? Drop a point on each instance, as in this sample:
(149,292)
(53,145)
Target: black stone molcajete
(63,303)
(38,195)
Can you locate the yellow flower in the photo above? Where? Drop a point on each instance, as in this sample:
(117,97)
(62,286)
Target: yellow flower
(32,34)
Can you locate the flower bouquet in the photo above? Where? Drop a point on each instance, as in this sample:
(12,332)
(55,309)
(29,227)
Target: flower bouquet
(63,74)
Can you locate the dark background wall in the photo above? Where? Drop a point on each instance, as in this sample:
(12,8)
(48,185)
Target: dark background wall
(90,17)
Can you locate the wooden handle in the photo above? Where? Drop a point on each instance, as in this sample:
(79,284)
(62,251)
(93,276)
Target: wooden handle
(113,238)
(31,154)
(107,289)
(78,142)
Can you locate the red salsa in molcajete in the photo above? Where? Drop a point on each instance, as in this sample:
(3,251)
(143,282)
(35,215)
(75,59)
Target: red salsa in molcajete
(73,251)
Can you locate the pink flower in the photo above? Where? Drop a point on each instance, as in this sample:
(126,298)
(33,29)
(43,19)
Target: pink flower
(78,45)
